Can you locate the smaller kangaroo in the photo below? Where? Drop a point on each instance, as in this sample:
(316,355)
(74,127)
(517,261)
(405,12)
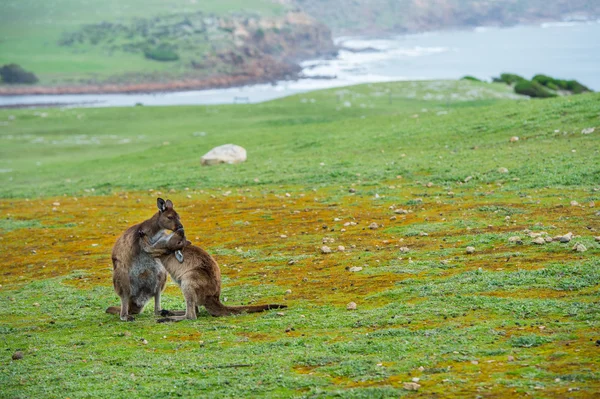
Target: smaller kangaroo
(197,274)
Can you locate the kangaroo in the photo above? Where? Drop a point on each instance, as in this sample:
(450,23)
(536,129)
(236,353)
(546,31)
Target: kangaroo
(137,276)
(197,274)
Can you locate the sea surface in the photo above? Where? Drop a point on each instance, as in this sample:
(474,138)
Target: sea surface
(568,50)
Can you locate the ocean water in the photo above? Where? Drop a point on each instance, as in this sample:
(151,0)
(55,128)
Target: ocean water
(569,50)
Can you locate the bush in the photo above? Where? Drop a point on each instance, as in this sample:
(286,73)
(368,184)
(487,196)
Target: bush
(161,53)
(533,89)
(558,84)
(471,78)
(13,73)
(509,78)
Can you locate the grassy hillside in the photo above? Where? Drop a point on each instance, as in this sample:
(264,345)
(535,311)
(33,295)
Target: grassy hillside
(84,42)
(422,160)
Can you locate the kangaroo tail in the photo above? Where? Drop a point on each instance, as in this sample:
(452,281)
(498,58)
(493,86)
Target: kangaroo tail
(216,308)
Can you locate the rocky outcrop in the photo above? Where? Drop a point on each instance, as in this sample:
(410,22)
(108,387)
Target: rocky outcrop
(227,153)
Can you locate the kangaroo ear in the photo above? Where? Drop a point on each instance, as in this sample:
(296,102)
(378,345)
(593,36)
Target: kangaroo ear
(162,206)
(187,243)
(169,204)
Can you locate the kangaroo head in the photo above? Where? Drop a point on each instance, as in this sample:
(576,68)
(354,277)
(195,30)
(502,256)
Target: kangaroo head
(177,241)
(168,218)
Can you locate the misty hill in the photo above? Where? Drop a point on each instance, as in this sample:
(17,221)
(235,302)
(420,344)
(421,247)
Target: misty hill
(398,16)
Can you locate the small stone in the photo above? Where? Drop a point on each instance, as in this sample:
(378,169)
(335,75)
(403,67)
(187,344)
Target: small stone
(548,239)
(468,178)
(421,368)
(351,190)
(511,358)
(393,218)
(423,234)
(401,212)
(566,238)
(341,248)
(287,292)
(411,386)
(292,262)
(470,250)
(416,379)
(430,184)
(515,240)
(18,355)
(588,130)
(280,314)
(502,170)
(325,249)
(597,239)
(539,241)
(373,226)
(474,362)
(145,342)
(574,203)
(514,139)
(355,269)
(37,305)
(404,249)
(351,306)
(579,247)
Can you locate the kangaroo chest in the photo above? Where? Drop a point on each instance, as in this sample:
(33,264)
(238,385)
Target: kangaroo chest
(147,277)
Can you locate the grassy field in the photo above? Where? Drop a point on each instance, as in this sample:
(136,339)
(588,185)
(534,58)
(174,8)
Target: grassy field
(31,32)
(509,320)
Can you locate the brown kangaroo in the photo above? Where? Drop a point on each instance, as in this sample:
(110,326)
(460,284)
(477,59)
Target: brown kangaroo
(137,276)
(197,274)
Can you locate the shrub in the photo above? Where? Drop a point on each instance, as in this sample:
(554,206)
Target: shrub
(471,78)
(13,73)
(161,53)
(558,84)
(533,89)
(509,78)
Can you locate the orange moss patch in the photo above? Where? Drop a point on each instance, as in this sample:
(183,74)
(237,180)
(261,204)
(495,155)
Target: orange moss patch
(263,236)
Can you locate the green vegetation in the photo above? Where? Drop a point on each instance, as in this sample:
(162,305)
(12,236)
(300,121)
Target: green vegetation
(14,74)
(532,89)
(471,78)
(161,53)
(509,320)
(541,86)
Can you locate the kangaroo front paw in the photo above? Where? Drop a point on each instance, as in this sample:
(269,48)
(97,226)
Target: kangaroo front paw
(128,318)
(165,313)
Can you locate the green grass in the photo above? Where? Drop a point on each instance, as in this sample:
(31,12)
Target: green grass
(65,151)
(508,320)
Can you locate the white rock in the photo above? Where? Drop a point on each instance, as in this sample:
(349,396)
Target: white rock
(515,240)
(325,249)
(574,203)
(351,306)
(502,170)
(355,269)
(514,139)
(579,247)
(539,241)
(373,226)
(228,153)
(401,212)
(404,249)
(566,238)
(470,250)
(411,386)
(341,248)
(588,130)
